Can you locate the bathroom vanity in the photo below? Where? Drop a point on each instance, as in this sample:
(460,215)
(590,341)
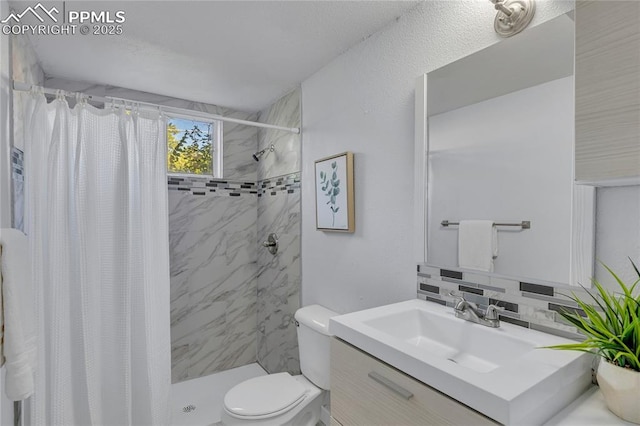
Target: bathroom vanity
(366,391)
(415,363)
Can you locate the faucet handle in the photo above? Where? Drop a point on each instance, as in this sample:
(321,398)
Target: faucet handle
(456,295)
(459,297)
(461,302)
(492,312)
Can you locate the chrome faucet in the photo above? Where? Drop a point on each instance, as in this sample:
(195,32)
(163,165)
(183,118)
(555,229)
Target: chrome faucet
(469,311)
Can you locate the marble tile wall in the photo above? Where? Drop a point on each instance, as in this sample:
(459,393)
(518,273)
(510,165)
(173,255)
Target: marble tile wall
(279,277)
(25,68)
(212,239)
(286,157)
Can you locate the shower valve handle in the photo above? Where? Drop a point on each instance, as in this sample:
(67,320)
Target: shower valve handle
(271,244)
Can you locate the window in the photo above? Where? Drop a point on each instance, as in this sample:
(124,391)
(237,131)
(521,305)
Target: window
(194,147)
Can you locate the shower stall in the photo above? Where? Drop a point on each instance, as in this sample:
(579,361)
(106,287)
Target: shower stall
(231,301)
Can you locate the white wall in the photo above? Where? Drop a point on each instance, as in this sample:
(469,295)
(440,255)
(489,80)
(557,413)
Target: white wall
(507,159)
(617,233)
(363,102)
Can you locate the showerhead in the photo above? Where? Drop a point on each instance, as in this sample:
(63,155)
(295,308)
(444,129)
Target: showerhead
(259,154)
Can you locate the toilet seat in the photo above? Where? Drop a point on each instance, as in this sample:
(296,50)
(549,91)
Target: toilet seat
(264,397)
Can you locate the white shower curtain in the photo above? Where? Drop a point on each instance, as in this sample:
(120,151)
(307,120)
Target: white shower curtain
(96,217)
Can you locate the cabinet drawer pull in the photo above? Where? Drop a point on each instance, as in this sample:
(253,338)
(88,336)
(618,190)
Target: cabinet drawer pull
(391,385)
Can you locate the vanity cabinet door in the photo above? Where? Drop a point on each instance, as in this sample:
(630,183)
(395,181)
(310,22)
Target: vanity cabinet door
(607,79)
(334,422)
(366,391)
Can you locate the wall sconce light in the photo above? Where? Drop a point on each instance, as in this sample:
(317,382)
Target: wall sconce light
(513,16)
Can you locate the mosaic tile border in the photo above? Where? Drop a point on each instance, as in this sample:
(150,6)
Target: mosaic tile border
(528,304)
(208,186)
(287,183)
(17,161)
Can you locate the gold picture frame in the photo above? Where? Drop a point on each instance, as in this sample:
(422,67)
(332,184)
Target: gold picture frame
(335,206)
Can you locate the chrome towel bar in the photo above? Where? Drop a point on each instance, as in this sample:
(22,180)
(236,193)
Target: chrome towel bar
(525,224)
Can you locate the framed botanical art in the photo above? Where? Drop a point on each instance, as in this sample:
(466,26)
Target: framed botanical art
(335,209)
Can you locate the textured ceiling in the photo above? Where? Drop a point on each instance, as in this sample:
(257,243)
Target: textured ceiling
(238,54)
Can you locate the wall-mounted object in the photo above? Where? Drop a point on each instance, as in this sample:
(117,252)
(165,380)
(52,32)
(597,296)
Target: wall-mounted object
(525,224)
(272,243)
(607,92)
(468,164)
(257,155)
(335,207)
(513,16)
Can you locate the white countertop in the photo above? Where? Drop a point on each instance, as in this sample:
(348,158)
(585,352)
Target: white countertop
(525,385)
(588,410)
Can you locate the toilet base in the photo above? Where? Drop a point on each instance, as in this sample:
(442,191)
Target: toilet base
(306,413)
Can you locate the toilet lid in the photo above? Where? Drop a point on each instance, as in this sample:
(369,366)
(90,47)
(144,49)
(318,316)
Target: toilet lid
(263,396)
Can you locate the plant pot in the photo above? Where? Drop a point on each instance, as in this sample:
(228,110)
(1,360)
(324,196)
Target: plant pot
(621,390)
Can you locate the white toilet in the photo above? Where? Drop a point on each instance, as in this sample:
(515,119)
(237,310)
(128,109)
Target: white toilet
(281,399)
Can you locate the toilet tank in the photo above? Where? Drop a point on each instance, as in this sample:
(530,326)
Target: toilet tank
(313,343)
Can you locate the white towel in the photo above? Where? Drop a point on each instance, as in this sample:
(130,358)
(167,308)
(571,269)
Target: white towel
(19,343)
(477,244)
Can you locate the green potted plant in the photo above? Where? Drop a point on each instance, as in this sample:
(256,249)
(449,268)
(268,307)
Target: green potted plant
(611,323)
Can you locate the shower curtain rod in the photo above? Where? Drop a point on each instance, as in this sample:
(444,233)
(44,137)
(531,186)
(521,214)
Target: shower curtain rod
(24,87)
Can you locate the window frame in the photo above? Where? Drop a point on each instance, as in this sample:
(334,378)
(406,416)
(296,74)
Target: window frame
(217,146)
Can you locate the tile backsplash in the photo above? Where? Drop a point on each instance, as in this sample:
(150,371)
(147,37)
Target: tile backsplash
(528,304)
(17,178)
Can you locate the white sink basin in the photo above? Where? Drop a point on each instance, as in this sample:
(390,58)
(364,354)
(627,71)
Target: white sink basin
(500,372)
(449,338)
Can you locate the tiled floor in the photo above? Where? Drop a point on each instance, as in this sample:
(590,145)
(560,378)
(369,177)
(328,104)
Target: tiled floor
(198,402)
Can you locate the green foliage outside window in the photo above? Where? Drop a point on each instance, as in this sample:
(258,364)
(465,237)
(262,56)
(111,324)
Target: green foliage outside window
(189,147)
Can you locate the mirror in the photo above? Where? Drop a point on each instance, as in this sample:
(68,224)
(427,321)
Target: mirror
(501,147)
